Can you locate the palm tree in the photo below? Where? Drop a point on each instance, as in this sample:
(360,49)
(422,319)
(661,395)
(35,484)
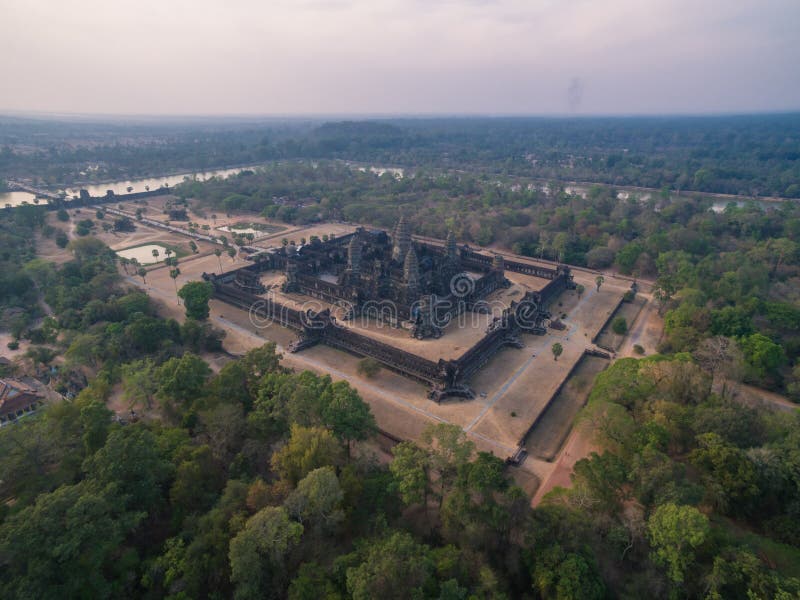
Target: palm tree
(599,280)
(174,274)
(218,253)
(124,262)
(143,274)
(168,252)
(155,253)
(232,254)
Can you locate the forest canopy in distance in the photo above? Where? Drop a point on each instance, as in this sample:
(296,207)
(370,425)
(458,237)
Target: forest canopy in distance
(756,155)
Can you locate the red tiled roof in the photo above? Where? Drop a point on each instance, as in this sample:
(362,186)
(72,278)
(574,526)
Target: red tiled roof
(16,395)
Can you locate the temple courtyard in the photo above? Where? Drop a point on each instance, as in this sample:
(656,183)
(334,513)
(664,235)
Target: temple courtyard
(512,390)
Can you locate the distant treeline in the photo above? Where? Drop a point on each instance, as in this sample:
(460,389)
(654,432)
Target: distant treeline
(749,155)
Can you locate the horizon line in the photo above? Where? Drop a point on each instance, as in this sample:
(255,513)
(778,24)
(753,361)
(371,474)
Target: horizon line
(55,115)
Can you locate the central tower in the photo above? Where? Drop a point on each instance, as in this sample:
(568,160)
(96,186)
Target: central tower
(401,241)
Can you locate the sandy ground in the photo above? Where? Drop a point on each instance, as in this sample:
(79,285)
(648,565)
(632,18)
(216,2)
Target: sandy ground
(645,331)
(514,381)
(153,209)
(554,426)
(5,339)
(48,250)
(578,445)
(755,397)
(463,332)
(535,375)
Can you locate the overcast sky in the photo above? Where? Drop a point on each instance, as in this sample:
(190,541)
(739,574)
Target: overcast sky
(399,56)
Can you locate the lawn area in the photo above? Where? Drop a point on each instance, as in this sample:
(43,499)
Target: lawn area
(143,253)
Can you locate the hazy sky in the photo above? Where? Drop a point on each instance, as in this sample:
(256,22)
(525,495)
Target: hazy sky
(399,56)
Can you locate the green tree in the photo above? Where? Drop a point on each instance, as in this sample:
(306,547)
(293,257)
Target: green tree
(95,421)
(182,380)
(410,470)
(599,482)
(368,367)
(348,416)
(599,280)
(67,544)
(563,575)
(316,502)
(198,480)
(732,483)
(173,273)
(196,295)
(258,554)
(393,568)
(448,450)
(763,356)
(218,254)
(557,350)
(675,531)
(130,461)
(308,448)
(619,326)
(239,381)
(312,583)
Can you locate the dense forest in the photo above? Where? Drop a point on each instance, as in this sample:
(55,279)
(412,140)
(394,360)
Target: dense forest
(747,155)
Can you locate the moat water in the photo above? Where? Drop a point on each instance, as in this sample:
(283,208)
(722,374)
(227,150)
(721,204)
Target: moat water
(120,187)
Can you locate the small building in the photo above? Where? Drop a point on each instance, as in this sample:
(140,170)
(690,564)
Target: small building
(17,399)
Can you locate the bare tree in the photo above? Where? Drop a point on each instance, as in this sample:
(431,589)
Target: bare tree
(723,360)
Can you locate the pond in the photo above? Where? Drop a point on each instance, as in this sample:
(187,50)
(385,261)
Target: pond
(144,254)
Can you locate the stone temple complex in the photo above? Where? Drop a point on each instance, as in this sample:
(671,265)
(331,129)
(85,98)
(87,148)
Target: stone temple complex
(419,286)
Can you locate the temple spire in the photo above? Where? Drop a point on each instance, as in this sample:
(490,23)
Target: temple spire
(411,270)
(401,241)
(450,246)
(354,255)
(498,264)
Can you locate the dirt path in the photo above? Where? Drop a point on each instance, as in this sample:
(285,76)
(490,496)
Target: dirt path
(753,396)
(646,331)
(578,445)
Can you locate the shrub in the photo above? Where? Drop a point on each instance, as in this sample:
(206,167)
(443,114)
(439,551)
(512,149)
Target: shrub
(619,326)
(368,367)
